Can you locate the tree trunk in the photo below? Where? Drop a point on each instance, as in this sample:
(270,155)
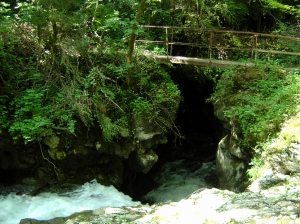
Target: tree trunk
(133,37)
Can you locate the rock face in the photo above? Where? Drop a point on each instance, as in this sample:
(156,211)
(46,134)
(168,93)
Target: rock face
(281,158)
(231,170)
(232,161)
(78,159)
(287,161)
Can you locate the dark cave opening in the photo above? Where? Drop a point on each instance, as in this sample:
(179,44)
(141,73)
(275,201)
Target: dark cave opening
(200,129)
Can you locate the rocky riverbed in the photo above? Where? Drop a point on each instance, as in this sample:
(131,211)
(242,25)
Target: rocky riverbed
(279,203)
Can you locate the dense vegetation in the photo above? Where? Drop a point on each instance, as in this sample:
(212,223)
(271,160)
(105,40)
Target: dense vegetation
(260,99)
(63,66)
(64,63)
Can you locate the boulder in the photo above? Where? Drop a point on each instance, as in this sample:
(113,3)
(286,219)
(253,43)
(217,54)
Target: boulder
(232,164)
(144,162)
(231,170)
(286,161)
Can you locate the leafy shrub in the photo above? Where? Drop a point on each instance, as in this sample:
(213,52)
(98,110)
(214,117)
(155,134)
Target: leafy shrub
(30,117)
(60,71)
(259,98)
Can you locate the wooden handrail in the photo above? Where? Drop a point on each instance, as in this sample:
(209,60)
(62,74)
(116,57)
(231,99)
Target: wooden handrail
(223,31)
(256,37)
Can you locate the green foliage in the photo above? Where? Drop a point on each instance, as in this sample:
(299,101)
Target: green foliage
(5,11)
(286,29)
(141,107)
(256,163)
(29,115)
(4,112)
(203,13)
(260,99)
(109,129)
(63,66)
(273,4)
(231,12)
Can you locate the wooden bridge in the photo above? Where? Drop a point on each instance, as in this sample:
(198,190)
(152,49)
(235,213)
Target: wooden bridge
(217,48)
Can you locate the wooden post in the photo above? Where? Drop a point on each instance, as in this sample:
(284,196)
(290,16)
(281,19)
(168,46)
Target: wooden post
(167,41)
(252,45)
(171,41)
(210,43)
(255,57)
(132,39)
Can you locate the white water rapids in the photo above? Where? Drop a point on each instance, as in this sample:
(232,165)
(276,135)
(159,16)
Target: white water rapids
(45,206)
(177,180)
(180,178)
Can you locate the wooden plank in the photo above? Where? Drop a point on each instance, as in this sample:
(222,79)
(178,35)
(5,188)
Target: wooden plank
(223,31)
(172,43)
(277,52)
(197,61)
(223,48)
(280,37)
(151,41)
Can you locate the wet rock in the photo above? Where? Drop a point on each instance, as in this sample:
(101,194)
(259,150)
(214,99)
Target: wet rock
(268,180)
(144,162)
(232,160)
(144,129)
(52,141)
(76,159)
(219,108)
(57,154)
(34,221)
(231,169)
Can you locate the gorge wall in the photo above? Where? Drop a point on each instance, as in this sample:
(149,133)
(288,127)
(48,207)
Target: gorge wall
(271,197)
(128,165)
(201,132)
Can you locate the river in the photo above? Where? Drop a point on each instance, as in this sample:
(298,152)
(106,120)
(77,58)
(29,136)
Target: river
(177,180)
(180,178)
(50,205)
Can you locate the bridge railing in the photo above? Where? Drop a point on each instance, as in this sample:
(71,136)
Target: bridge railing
(220,44)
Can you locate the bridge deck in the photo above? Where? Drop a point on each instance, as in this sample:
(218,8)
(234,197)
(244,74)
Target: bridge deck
(259,45)
(197,61)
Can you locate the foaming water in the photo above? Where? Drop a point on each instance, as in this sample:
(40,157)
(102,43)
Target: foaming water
(180,178)
(45,206)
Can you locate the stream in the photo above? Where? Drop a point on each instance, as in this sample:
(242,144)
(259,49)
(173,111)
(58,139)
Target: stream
(48,205)
(176,180)
(180,178)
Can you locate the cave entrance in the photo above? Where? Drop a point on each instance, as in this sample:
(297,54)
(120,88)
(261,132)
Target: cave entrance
(200,129)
